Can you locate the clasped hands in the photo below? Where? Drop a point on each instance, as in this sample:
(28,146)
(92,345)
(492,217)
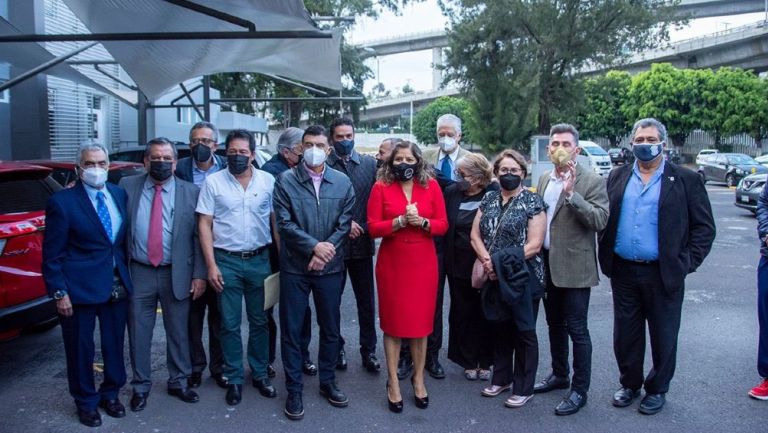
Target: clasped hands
(412,217)
(323,253)
(488,267)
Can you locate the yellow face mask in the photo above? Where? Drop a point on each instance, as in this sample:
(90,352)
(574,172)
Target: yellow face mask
(560,157)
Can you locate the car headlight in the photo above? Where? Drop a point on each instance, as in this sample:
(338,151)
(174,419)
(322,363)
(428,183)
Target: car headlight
(739,171)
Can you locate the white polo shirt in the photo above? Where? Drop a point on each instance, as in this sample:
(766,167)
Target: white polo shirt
(241,217)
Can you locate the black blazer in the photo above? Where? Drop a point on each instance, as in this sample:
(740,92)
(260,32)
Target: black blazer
(458,263)
(686,226)
(184,167)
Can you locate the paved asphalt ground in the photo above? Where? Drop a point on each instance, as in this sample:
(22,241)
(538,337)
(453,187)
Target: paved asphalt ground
(716,367)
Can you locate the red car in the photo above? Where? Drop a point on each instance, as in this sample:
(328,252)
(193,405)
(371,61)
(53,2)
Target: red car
(64,171)
(24,302)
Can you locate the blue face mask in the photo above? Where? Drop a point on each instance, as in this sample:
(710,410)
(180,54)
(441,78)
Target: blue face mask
(344,147)
(647,152)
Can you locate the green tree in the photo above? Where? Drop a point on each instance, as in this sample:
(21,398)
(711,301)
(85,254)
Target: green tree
(601,115)
(672,96)
(407,89)
(425,121)
(756,111)
(732,100)
(535,48)
(354,71)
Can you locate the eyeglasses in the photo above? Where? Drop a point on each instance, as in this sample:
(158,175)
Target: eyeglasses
(206,141)
(505,170)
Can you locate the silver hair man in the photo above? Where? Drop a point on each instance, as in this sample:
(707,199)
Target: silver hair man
(89,146)
(450,120)
(208,125)
(648,122)
(562,128)
(290,138)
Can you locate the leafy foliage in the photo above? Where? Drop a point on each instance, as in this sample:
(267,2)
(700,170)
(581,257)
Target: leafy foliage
(424,121)
(601,115)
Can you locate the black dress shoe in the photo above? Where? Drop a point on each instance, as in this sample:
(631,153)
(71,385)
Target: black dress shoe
(435,369)
(265,387)
(139,401)
(114,408)
(89,418)
(404,368)
(184,394)
(625,396)
(651,404)
(335,397)
(371,363)
(394,406)
(341,361)
(550,383)
(309,368)
(234,394)
(271,371)
(571,403)
(195,379)
(221,380)
(421,402)
(294,408)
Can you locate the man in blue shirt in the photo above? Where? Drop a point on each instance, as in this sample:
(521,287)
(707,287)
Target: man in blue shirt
(647,266)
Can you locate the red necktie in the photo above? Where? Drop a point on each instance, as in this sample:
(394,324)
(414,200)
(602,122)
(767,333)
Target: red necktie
(155,238)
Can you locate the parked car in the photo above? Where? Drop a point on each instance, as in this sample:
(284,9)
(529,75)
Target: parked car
(729,168)
(700,157)
(672,155)
(748,190)
(136,153)
(24,301)
(64,171)
(762,159)
(595,157)
(617,156)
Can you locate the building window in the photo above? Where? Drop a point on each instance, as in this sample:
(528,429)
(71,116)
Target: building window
(187,115)
(5,95)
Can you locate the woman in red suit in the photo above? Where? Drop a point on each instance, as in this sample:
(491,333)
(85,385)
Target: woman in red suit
(406,209)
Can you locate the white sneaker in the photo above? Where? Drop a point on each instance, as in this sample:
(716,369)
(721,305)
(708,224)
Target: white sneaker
(516,401)
(484,374)
(494,390)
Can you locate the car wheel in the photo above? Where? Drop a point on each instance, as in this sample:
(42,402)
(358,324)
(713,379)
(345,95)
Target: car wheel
(730,180)
(703,177)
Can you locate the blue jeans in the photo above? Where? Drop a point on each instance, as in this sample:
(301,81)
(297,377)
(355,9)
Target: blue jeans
(294,299)
(762,316)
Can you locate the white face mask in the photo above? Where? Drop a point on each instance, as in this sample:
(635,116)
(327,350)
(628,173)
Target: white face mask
(447,144)
(94,176)
(314,157)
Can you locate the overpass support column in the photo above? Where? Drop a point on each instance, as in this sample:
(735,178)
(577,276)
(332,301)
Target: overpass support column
(437,73)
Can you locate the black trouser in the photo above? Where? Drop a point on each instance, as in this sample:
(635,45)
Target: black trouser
(470,336)
(567,310)
(516,356)
(639,296)
(361,276)
(435,339)
(209,301)
(306,335)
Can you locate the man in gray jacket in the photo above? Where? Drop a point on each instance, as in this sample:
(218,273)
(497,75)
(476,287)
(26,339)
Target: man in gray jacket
(577,203)
(313,208)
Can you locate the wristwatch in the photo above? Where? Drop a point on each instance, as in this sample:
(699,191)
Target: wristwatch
(425,224)
(59,294)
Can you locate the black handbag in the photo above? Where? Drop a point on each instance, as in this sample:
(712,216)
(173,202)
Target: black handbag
(118,290)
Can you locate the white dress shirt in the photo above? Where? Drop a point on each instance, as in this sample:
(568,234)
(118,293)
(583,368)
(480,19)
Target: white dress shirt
(551,196)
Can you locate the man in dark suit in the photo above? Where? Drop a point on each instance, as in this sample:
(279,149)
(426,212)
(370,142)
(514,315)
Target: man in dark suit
(660,229)
(203,142)
(86,271)
(166,265)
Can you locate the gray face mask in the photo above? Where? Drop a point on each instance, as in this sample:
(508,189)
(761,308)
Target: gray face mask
(94,176)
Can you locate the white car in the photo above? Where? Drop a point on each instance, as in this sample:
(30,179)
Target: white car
(703,153)
(595,157)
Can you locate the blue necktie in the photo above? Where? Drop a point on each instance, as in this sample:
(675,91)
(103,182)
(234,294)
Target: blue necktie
(446,167)
(101,209)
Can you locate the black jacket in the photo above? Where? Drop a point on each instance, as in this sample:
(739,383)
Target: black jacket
(762,220)
(275,165)
(686,225)
(361,170)
(512,296)
(304,219)
(184,167)
(459,258)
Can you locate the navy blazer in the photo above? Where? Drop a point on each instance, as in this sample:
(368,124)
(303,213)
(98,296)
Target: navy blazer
(78,256)
(686,225)
(184,167)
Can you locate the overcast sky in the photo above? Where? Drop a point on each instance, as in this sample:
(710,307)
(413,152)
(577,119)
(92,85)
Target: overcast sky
(414,68)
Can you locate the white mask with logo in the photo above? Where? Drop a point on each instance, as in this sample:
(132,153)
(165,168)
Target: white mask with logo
(447,144)
(314,157)
(95,176)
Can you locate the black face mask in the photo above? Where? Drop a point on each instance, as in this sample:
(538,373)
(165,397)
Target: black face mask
(404,172)
(201,153)
(379,163)
(510,181)
(463,185)
(160,170)
(236,164)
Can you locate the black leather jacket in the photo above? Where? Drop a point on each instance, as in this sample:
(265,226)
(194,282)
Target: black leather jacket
(305,219)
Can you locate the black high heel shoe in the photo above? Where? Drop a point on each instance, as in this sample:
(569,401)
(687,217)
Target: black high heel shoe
(421,403)
(394,406)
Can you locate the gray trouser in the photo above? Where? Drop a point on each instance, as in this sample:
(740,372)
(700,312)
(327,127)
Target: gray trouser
(151,284)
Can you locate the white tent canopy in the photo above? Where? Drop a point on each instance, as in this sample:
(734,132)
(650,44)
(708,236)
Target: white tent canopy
(158,65)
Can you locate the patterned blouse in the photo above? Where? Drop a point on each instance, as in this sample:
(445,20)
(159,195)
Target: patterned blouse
(513,227)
